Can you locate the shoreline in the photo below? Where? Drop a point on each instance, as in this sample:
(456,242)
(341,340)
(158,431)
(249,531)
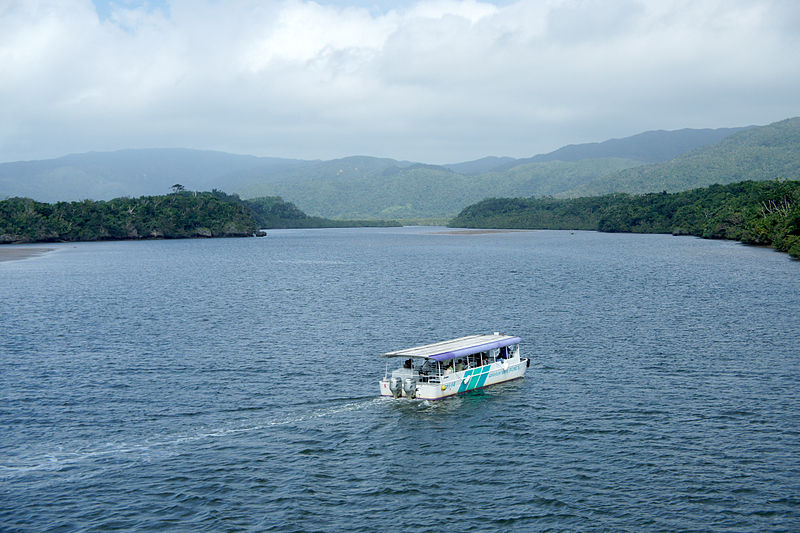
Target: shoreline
(17,254)
(481,231)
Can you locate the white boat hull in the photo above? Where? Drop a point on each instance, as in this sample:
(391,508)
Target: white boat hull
(464,381)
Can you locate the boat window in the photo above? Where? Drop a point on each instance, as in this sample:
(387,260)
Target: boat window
(493,353)
(513,350)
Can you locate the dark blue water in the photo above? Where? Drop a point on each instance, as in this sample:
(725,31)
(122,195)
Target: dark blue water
(226,385)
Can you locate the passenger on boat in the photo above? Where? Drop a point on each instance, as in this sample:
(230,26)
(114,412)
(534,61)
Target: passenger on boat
(449,369)
(459,365)
(407,364)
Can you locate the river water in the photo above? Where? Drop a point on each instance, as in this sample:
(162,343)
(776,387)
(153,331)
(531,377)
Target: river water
(231,384)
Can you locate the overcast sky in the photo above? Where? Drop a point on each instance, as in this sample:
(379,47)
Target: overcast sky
(437,82)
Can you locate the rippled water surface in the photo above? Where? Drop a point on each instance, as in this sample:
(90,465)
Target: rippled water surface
(214,385)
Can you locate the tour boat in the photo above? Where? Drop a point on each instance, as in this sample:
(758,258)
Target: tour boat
(447,368)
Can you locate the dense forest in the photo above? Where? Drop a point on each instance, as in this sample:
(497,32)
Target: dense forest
(179,215)
(764,213)
(148,217)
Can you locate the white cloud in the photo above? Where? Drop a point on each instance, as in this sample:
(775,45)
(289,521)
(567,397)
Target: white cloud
(434,81)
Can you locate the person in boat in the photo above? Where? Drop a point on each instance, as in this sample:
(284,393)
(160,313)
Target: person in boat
(407,364)
(449,368)
(427,367)
(459,365)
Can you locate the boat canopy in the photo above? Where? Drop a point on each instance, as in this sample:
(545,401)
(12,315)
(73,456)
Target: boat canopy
(442,351)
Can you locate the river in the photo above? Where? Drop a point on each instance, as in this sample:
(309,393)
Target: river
(231,384)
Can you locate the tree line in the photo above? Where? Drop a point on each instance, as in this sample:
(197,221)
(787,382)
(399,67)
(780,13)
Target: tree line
(754,212)
(182,214)
(179,215)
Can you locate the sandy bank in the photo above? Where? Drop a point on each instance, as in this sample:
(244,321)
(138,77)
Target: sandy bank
(478,231)
(14,254)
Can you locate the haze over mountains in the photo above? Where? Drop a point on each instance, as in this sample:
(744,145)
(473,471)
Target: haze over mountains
(367,187)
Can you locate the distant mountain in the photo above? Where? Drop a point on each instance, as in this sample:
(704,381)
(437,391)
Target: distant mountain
(362,187)
(756,153)
(648,147)
(383,188)
(256,180)
(107,175)
(359,188)
(479,166)
(367,187)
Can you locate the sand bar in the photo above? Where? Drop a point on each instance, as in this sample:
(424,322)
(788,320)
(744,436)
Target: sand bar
(14,254)
(477,231)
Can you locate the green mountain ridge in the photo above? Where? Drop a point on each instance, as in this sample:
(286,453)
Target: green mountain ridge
(427,191)
(648,147)
(139,172)
(363,187)
(760,153)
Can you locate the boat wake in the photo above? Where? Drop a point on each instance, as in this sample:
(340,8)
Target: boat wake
(77,461)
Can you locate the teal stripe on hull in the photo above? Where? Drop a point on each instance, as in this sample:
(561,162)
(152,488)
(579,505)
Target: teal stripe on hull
(482,380)
(477,378)
(464,381)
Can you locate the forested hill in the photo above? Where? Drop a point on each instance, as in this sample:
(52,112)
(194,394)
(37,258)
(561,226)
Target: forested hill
(357,187)
(272,212)
(363,187)
(174,216)
(648,147)
(766,212)
(760,153)
(382,188)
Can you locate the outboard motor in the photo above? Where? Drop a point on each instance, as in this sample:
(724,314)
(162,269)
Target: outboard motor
(410,387)
(396,386)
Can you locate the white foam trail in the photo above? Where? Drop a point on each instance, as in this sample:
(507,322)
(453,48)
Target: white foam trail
(60,460)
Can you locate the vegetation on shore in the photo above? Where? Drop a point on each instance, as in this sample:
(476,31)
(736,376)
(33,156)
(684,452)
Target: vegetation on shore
(762,213)
(171,216)
(174,216)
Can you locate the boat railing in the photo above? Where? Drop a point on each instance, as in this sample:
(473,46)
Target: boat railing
(434,376)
